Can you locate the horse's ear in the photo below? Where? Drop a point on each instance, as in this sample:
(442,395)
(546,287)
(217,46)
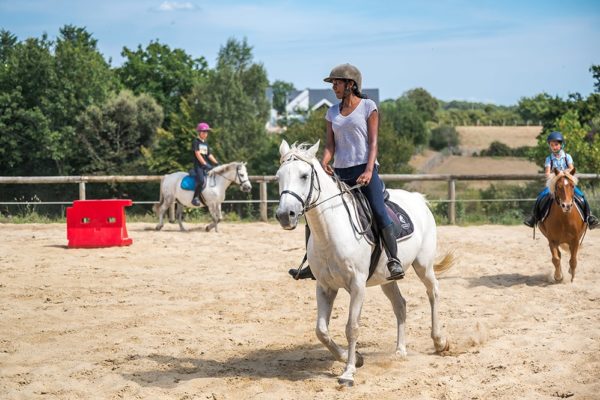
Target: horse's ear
(572,172)
(284,148)
(314,148)
(556,171)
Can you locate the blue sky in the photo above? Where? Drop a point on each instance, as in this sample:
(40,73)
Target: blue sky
(488,51)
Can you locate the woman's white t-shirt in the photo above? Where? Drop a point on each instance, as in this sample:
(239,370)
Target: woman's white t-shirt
(351,134)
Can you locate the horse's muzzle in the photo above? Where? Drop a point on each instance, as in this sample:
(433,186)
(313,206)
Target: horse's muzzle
(246,188)
(287,219)
(566,207)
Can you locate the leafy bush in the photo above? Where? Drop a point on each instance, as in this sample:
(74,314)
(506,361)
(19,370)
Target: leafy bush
(444,136)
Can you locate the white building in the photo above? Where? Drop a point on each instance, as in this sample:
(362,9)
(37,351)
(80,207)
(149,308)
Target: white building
(302,102)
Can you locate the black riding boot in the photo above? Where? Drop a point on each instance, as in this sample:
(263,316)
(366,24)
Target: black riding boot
(196,199)
(305,272)
(530,221)
(591,220)
(391,249)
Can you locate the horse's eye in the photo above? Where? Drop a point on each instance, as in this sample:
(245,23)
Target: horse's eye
(304,177)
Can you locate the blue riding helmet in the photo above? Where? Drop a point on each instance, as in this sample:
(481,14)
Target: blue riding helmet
(557,136)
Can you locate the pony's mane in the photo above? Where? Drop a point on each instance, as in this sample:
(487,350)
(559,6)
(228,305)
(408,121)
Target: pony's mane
(299,151)
(552,179)
(222,168)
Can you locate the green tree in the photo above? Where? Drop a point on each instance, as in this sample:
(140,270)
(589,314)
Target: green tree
(164,73)
(406,120)
(583,146)
(233,100)
(112,134)
(444,136)
(82,78)
(172,149)
(26,72)
(426,104)
(281,90)
(595,70)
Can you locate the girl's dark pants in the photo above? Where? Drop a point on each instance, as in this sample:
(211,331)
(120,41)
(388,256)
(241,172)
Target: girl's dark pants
(373,191)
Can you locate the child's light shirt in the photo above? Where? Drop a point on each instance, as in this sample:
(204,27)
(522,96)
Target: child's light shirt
(560,161)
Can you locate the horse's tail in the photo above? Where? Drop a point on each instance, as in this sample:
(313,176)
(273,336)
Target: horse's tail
(447,262)
(161,200)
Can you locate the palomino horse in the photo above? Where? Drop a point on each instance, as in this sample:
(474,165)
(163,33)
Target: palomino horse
(217,182)
(339,257)
(563,226)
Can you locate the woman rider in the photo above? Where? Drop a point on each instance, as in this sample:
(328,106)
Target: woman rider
(352,129)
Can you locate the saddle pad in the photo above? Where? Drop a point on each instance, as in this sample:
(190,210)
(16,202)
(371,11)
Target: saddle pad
(403,225)
(188,183)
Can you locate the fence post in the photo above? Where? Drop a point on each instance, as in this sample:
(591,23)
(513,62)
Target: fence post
(452,201)
(81,190)
(263,202)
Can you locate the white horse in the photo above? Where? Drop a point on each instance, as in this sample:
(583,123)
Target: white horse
(339,257)
(217,182)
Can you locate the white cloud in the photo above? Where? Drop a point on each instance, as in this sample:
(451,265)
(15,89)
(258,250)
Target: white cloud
(176,6)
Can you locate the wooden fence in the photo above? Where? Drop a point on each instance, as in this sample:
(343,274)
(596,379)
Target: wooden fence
(264,180)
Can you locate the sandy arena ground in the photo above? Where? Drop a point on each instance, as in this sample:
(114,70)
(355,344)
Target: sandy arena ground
(215,316)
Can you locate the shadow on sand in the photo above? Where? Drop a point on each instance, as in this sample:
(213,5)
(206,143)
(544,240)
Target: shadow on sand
(295,364)
(499,281)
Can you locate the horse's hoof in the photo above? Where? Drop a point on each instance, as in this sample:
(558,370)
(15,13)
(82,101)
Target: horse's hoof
(360,361)
(346,382)
(158,228)
(446,347)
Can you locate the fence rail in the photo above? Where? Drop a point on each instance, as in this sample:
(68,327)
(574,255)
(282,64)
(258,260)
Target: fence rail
(263,180)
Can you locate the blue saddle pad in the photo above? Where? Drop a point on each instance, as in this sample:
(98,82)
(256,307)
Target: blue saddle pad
(188,183)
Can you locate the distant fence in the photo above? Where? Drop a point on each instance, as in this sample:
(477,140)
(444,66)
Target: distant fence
(264,180)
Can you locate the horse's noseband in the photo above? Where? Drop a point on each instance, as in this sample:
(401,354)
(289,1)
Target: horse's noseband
(238,176)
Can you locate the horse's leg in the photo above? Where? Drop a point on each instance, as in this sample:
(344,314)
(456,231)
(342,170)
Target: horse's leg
(325,299)
(427,276)
(574,248)
(357,298)
(219,217)
(556,260)
(212,210)
(392,292)
(162,208)
(179,214)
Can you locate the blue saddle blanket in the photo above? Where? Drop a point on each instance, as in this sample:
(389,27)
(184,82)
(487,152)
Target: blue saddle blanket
(188,183)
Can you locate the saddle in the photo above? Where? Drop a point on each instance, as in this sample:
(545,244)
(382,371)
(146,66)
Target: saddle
(542,208)
(403,225)
(189,181)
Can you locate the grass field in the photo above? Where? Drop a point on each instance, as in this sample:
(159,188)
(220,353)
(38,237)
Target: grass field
(477,138)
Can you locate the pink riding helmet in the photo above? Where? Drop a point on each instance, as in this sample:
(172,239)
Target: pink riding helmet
(203,126)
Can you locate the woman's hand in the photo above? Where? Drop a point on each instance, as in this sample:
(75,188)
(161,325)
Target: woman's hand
(364,178)
(327,168)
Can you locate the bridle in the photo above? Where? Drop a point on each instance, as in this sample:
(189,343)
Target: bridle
(309,204)
(238,176)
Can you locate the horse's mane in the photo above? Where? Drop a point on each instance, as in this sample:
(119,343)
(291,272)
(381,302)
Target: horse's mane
(299,151)
(553,178)
(222,168)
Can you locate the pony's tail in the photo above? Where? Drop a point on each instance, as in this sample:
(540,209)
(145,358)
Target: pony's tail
(444,265)
(161,200)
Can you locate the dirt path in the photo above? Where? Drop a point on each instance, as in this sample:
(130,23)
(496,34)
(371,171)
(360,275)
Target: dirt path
(215,316)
